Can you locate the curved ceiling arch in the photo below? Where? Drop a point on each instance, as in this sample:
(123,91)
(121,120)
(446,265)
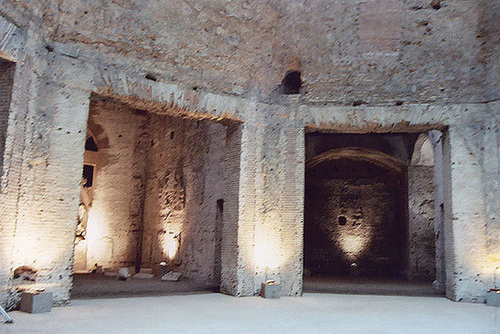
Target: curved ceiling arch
(359,154)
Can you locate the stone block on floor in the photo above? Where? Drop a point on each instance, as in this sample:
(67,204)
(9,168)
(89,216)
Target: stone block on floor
(36,302)
(270,289)
(124,274)
(493,298)
(171,276)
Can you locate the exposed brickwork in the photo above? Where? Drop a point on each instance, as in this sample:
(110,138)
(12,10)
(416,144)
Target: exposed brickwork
(185,178)
(429,72)
(6,81)
(422,240)
(358,221)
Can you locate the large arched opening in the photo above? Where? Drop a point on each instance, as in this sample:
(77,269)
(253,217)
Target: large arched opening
(369,214)
(153,201)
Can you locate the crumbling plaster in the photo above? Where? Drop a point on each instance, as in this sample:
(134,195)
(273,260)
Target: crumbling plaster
(50,103)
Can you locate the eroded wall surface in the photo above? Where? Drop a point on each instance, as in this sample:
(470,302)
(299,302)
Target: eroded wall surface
(422,247)
(156,184)
(435,69)
(364,50)
(370,242)
(6,81)
(185,178)
(115,217)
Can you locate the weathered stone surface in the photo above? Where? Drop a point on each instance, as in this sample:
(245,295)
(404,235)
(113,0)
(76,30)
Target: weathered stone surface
(270,290)
(124,274)
(171,276)
(435,69)
(493,298)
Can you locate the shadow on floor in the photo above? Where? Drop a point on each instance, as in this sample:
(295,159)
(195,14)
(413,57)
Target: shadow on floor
(87,286)
(368,286)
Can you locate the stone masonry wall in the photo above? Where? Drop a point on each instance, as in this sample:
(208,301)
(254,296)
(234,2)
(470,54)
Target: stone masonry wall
(371,237)
(115,219)
(185,178)
(361,51)
(422,248)
(7,70)
(426,73)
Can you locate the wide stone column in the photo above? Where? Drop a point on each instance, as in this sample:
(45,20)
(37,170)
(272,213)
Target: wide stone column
(471,159)
(50,188)
(269,227)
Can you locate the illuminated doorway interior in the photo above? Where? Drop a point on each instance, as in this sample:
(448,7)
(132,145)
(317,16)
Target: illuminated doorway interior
(152,199)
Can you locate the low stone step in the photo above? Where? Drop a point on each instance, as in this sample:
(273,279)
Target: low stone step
(143,276)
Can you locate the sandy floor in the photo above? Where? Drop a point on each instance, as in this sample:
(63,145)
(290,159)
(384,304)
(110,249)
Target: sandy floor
(216,313)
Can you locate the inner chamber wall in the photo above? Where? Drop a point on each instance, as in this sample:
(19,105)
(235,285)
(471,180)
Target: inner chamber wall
(156,186)
(356,210)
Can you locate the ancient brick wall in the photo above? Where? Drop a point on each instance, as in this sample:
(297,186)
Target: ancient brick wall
(363,51)
(423,227)
(7,70)
(115,217)
(185,179)
(355,225)
(427,73)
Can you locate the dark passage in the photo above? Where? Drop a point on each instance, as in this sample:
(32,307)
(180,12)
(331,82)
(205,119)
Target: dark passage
(356,205)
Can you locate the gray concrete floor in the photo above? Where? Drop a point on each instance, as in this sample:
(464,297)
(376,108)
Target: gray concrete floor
(217,313)
(100,286)
(368,286)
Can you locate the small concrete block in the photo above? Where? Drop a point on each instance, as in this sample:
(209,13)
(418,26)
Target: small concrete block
(143,276)
(270,289)
(146,271)
(493,298)
(36,302)
(123,274)
(171,276)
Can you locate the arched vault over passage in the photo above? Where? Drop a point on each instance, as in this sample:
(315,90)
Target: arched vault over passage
(359,154)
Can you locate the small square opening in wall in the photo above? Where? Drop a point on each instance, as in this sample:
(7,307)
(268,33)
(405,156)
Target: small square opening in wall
(342,220)
(88,175)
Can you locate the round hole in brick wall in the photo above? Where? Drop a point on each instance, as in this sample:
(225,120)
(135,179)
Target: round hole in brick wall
(342,220)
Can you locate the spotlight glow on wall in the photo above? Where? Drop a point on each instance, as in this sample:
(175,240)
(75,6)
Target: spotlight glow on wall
(353,245)
(171,245)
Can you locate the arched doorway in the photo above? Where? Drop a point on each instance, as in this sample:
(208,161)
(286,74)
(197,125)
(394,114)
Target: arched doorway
(355,214)
(369,214)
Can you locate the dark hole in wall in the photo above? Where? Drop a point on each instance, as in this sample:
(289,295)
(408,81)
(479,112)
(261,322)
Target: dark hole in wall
(88,175)
(342,220)
(219,213)
(151,76)
(291,83)
(220,205)
(436,4)
(90,145)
